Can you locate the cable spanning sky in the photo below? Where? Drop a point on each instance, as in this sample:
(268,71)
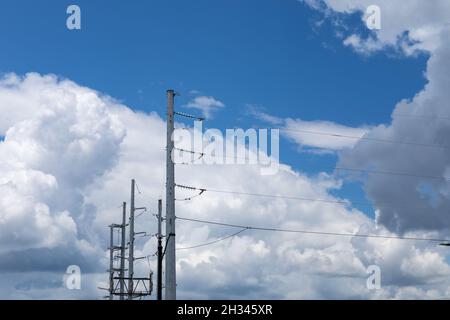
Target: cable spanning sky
(364,153)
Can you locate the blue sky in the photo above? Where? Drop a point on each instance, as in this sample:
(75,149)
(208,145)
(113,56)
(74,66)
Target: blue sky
(258,52)
(266,53)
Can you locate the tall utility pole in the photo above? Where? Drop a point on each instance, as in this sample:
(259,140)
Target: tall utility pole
(134,283)
(131,244)
(122,252)
(170,203)
(160,252)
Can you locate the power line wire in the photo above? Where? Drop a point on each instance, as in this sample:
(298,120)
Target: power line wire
(313,232)
(337,135)
(344,202)
(284,197)
(202,154)
(215,241)
(182,114)
(402,174)
(423,116)
(201,191)
(369,171)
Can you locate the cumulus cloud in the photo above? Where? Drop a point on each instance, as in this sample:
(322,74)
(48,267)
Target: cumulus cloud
(257,264)
(67,168)
(413,203)
(405,204)
(59,138)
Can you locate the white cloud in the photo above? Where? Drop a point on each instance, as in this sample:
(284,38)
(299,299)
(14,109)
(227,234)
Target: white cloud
(74,160)
(263,116)
(58,140)
(206,104)
(363,46)
(317,136)
(423,21)
(402,203)
(322,134)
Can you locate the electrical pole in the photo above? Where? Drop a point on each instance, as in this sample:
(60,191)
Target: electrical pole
(170,203)
(111,262)
(122,252)
(137,286)
(131,244)
(160,252)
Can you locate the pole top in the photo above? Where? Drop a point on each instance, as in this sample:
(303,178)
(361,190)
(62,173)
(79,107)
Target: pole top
(173,92)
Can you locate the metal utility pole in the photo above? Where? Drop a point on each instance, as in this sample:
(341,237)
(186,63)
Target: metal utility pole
(122,252)
(160,252)
(131,244)
(138,287)
(111,262)
(170,203)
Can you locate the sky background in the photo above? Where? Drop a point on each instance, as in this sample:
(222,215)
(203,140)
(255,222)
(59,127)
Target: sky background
(285,59)
(267,54)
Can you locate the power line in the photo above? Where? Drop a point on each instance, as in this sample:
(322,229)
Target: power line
(402,174)
(215,241)
(182,114)
(422,116)
(369,171)
(200,192)
(380,172)
(285,197)
(337,135)
(344,202)
(202,154)
(314,232)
